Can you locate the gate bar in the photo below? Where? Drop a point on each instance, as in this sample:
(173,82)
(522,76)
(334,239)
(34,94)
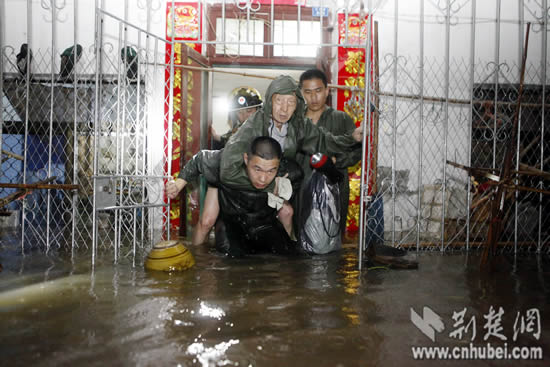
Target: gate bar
(170,111)
(26,139)
(544,60)
(74,197)
(394,126)
(470,116)
(50,137)
(366,124)
(421,127)
(2,11)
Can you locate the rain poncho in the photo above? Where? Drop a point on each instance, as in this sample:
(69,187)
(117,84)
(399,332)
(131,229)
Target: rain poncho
(302,136)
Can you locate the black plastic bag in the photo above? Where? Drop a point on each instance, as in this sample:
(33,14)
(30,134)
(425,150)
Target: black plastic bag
(320,215)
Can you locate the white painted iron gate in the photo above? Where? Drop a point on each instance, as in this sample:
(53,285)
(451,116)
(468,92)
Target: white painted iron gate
(445,82)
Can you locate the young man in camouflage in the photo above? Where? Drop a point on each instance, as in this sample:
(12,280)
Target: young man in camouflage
(314,87)
(250,219)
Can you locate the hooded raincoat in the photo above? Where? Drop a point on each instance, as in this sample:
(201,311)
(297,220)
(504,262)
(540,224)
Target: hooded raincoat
(302,136)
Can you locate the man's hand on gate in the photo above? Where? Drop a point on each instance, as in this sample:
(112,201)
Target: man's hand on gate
(173,188)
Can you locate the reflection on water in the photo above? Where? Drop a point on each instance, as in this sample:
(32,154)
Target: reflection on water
(258,311)
(214,312)
(211,355)
(350,272)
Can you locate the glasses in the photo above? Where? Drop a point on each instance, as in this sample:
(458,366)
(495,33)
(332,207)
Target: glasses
(290,102)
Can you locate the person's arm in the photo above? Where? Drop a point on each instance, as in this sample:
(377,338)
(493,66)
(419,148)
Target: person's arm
(344,160)
(351,158)
(316,139)
(205,162)
(214,134)
(224,138)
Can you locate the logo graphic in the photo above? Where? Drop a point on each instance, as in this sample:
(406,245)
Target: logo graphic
(429,323)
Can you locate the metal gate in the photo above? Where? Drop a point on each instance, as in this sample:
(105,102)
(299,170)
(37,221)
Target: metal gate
(94,123)
(444,80)
(128,199)
(135,148)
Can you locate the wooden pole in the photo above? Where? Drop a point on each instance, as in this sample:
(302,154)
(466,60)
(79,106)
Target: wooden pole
(497,203)
(528,147)
(11,197)
(37,185)
(12,155)
(532,171)
(524,188)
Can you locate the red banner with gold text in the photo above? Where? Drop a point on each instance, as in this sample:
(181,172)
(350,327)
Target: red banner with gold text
(351,72)
(186,27)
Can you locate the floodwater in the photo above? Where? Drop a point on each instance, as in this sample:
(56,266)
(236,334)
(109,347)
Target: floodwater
(264,310)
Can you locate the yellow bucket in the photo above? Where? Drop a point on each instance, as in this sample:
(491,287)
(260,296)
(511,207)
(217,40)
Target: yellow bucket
(169,256)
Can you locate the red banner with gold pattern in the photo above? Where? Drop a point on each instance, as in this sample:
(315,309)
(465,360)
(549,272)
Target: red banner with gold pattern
(351,72)
(186,27)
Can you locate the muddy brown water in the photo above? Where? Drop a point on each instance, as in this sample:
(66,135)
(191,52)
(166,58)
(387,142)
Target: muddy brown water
(260,311)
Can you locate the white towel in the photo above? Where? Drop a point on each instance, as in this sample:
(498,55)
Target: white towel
(284,192)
